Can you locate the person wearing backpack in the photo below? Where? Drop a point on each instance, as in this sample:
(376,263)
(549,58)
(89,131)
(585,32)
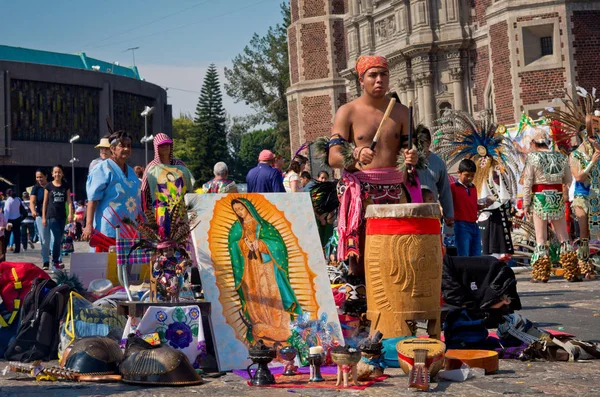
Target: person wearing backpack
(54,212)
(14,215)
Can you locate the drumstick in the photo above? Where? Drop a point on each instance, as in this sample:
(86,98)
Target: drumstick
(409,168)
(386,115)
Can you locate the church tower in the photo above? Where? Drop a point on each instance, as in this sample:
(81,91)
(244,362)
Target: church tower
(317,53)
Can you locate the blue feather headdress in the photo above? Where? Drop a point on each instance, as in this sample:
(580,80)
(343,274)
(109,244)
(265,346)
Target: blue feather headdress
(458,136)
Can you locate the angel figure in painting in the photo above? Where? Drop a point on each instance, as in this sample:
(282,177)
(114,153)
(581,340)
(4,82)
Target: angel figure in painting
(259,259)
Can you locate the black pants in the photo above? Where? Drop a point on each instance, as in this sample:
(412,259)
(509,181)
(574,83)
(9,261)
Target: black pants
(16,232)
(27,233)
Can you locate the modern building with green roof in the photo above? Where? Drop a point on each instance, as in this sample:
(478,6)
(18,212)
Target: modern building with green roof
(46,98)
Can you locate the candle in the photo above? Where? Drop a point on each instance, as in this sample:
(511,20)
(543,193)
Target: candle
(316,350)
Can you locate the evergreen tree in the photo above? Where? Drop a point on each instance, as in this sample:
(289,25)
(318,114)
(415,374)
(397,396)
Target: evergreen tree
(209,137)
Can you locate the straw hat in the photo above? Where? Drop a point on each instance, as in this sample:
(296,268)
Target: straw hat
(104,143)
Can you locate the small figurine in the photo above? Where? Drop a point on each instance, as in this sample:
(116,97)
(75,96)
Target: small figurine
(346,359)
(167,273)
(371,364)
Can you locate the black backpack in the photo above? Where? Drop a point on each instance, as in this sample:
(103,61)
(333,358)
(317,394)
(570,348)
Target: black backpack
(37,337)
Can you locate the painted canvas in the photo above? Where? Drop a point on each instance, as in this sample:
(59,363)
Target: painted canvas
(261,265)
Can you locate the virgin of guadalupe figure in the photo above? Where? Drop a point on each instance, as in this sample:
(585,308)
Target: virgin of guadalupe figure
(259,258)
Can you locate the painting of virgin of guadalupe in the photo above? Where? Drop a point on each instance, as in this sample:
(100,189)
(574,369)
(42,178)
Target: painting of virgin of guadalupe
(261,267)
(259,259)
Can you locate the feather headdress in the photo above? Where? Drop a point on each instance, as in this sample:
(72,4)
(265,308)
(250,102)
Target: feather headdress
(174,231)
(575,110)
(459,136)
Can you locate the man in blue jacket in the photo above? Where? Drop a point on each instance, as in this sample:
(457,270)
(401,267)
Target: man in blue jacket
(264,178)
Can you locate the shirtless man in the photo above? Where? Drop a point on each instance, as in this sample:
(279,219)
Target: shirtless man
(372,178)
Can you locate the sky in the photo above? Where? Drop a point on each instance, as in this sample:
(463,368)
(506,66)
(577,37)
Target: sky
(178,39)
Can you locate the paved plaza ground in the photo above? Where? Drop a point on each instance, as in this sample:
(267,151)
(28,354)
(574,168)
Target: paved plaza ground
(559,305)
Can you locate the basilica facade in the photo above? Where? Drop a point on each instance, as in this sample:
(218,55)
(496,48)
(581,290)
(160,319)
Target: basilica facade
(505,56)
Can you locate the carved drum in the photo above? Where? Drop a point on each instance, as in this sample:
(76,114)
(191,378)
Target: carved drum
(403,267)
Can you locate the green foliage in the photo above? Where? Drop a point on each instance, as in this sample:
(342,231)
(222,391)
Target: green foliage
(183,127)
(260,78)
(207,143)
(251,145)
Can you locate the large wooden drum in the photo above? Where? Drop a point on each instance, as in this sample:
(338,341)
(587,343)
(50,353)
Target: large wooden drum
(403,267)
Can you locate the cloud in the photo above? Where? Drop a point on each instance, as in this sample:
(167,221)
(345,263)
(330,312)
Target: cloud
(188,78)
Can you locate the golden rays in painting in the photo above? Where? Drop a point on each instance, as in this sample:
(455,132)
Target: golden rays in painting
(261,271)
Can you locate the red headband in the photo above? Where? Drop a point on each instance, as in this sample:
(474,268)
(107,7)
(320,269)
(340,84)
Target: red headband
(366,62)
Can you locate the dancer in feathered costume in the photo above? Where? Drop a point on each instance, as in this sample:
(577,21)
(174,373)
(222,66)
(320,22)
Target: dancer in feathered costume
(459,136)
(544,177)
(577,119)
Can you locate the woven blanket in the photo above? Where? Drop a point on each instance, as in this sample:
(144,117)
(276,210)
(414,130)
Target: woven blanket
(136,257)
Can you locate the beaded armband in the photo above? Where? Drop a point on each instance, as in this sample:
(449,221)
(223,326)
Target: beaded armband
(322,145)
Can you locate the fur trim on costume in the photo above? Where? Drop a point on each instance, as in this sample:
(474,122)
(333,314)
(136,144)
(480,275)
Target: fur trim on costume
(321,151)
(73,281)
(422,162)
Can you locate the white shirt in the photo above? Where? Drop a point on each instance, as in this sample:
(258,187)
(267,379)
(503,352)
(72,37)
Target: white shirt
(11,208)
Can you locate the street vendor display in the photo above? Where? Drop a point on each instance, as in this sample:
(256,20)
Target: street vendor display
(404,267)
(545,175)
(369,173)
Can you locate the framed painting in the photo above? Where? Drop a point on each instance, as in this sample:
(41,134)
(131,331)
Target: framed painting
(261,266)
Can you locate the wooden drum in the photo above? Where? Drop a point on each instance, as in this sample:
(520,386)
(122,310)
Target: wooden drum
(403,267)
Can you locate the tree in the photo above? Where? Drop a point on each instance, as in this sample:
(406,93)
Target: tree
(236,130)
(260,78)
(208,141)
(251,145)
(183,128)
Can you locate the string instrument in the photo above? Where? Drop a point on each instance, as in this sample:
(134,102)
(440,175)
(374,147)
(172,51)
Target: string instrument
(420,358)
(37,370)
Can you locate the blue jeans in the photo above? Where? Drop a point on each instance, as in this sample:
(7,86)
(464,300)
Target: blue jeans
(45,240)
(467,238)
(57,228)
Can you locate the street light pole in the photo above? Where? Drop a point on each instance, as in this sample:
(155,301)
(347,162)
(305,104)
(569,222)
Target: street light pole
(73,160)
(146,138)
(145,113)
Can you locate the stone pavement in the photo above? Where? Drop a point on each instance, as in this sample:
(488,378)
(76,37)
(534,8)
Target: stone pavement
(572,307)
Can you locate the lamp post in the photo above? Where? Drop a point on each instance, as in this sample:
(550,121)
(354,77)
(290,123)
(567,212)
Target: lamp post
(145,113)
(145,141)
(72,161)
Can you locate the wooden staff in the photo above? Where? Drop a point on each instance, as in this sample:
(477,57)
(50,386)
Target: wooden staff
(386,115)
(409,167)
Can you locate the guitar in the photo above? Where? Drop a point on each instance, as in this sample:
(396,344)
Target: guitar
(420,358)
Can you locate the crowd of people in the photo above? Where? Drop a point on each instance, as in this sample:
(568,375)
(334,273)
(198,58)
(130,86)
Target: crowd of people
(475,222)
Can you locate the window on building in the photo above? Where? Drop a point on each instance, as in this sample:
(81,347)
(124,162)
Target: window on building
(127,111)
(51,112)
(546,43)
(444,106)
(538,42)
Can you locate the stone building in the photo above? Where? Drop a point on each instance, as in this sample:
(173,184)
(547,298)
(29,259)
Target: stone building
(47,97)
(503,55)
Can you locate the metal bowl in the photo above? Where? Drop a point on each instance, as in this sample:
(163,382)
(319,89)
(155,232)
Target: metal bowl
(346,358)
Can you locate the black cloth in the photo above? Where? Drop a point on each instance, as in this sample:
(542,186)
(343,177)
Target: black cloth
(38,192)
(478,282)
(57,200)
(495,231)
